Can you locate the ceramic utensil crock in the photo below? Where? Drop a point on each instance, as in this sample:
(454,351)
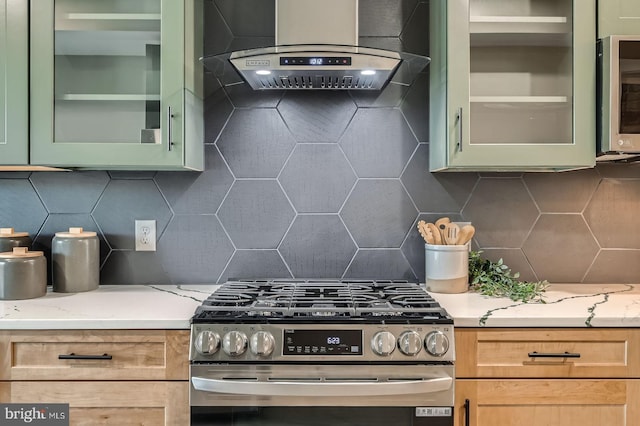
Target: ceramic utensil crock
(23,274)
(75,261)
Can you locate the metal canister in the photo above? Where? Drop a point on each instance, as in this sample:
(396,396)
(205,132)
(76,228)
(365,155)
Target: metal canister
(10,239)
(23,274)
(75,261)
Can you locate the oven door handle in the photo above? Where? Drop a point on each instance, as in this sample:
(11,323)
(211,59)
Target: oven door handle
(322,389)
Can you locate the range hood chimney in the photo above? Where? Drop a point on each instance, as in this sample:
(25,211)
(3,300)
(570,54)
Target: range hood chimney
(317,48)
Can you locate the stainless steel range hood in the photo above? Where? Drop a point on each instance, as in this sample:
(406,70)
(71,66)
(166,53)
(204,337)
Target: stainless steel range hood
(317,48)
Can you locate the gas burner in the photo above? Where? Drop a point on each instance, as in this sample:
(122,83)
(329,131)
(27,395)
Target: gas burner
(328,301)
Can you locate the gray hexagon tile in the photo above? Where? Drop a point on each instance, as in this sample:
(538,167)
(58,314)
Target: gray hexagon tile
(218,34)
(317,178)
(415,35)
(197,193)
(14,175)
(615,266)
(133,267)
(436,192)
(256,214)
(415,107)
(217,108)
(514,259)
(380,264)
(560,248)
(317,246)
(125,201)
(243,96)
(255,143)
(619,171)
(21,207)
(413,245)
(317,116)
(72,192)
(378,143)
(379,213)
(502,212)
(562,192)
(389,97)
(248,17)
(383,17)
(255,264)
(612,213)
(194,249)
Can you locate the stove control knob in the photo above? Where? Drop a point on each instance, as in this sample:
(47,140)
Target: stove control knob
(410,343)
(262,343)
(436,343)
(207,342)
(234,343)
(383,343)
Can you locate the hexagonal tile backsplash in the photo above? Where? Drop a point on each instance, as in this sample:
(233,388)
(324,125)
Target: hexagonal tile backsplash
(330,185)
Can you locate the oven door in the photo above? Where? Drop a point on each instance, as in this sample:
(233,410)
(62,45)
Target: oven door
(310,395)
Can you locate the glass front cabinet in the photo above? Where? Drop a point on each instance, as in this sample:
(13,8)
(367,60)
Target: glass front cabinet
(14,78)
(116,84)
(512,85)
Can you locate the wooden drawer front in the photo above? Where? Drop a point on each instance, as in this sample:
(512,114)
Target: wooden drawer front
(112,403)
(512,353)
(130,355)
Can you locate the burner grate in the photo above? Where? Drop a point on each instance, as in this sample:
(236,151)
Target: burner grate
(267,300)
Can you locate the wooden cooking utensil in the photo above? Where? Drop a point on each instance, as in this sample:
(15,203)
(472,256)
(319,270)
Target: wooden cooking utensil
(425,232)
(441,224)
(437,238)
(465,234)
(451,231)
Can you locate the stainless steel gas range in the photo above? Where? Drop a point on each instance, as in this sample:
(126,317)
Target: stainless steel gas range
(321,352)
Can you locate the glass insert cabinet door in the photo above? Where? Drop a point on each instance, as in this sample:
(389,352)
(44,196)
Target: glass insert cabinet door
(14,82)
(519,74)
(107,81)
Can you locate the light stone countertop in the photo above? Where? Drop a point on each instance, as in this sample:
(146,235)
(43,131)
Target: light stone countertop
(567,305)
(108,307)
(171,307)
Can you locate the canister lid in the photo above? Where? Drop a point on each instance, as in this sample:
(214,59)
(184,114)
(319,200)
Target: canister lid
(20,253)
(77,232)
(10,233)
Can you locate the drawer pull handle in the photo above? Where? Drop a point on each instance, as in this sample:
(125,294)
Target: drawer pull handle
(74,356)
(554,355)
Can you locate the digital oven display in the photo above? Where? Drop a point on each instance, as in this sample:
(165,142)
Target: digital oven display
(322,342)
(315,60)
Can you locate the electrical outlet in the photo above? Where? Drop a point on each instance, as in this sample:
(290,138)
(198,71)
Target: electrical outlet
(145,235)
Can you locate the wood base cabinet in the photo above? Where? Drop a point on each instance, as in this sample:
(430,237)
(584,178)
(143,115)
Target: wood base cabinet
(558,402)
(550,377)
(111,403)
(108,377)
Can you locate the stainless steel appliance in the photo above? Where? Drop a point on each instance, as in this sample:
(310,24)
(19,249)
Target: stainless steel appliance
(321,352)
(619,98)
(316,47)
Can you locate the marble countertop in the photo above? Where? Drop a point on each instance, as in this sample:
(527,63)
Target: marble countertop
(566,305)
(108,307)
(171,307)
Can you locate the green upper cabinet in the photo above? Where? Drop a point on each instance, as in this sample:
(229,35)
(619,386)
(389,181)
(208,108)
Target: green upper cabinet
(114,84)
(512,84)
(618,17)
(14,72)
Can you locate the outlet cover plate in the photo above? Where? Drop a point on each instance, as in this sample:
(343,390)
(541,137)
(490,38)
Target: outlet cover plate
(145,235)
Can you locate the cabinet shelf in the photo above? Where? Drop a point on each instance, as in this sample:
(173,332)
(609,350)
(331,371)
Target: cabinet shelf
(114,16)
(522,30)
(519,99)
(107,97)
